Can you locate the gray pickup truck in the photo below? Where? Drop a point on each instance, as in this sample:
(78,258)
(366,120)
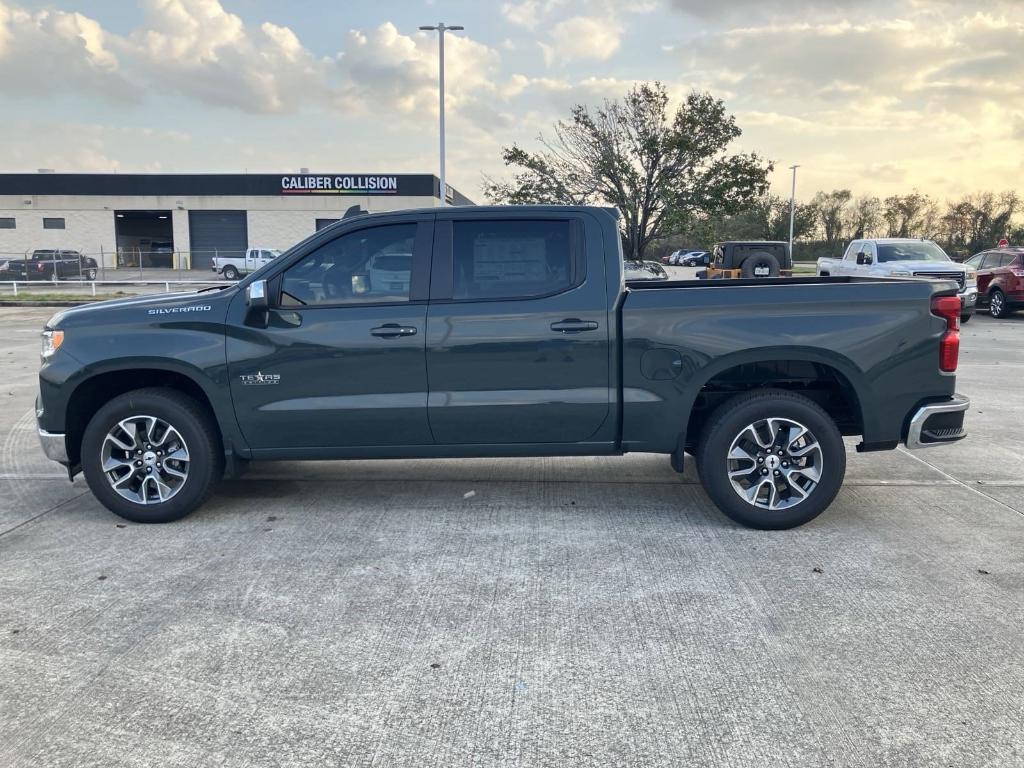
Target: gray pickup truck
(504,332)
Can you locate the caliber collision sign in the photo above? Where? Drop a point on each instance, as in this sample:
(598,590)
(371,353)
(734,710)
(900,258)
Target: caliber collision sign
(339,185)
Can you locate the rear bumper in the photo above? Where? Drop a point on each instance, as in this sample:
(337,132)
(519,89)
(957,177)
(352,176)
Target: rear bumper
(938,423)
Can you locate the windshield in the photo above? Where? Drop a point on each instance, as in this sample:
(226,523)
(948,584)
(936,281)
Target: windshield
(917,251)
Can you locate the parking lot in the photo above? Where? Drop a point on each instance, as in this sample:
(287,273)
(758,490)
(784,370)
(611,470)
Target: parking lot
(580,611)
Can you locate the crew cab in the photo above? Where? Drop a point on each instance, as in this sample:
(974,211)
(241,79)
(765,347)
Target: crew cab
(511,332)
(906,257)
(233,267)
(50,264)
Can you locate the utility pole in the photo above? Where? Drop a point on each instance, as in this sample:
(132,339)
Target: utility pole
(792,209)
(441,28)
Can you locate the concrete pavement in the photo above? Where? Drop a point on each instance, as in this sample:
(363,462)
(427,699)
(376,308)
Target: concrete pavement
(568,612)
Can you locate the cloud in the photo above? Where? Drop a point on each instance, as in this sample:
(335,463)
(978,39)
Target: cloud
(51,51)
(386,69)
(198,49)
(582,37)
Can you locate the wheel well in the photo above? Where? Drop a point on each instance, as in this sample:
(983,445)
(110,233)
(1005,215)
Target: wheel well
(821,383)
(94,393)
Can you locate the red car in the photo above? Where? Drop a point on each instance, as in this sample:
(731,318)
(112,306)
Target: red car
(1000,279)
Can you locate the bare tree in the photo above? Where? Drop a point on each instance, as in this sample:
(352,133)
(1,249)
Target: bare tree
(661,170)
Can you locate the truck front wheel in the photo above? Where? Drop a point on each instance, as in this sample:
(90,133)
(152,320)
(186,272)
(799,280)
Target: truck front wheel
(771,459)
(230,273)
(152,455)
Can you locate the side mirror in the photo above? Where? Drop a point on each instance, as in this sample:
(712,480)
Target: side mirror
(864,258)
(360,284)
(705,259)
(256,295)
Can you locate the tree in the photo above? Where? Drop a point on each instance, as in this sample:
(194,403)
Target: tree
(661,170)
(976,222)
(772,215)
(913,215)
(864,217)
(831,209)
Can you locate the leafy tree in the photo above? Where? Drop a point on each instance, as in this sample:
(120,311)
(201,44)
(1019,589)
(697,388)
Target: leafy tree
(976,222)
(913,215)
(831,209)
(772,215)
(864,217)
(662,170)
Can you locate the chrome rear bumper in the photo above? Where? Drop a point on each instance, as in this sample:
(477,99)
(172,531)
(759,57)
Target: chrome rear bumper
(938,423)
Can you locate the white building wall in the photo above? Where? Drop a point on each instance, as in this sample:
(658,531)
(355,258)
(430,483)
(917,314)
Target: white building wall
(273,221)
(86,231)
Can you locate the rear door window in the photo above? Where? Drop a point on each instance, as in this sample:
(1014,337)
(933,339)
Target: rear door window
(511,259)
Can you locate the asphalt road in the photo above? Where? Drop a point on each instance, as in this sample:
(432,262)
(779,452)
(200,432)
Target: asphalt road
(520,612)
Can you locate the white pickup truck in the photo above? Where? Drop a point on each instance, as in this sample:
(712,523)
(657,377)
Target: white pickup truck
(906,257)
(233,267)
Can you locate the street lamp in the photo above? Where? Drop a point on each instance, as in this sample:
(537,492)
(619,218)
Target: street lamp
(441,28)
(792,209)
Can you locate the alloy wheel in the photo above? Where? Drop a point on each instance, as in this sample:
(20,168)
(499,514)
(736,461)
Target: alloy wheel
(996,304)
(775,463)
(145,459)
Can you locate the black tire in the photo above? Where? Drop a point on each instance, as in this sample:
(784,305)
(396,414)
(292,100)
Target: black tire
(196,428)
(90,274)
(965,319)
(230,273)
(726,425)
(997,304)
(758,261)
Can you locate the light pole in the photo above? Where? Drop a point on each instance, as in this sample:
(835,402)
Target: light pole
(441,28)
(792,209)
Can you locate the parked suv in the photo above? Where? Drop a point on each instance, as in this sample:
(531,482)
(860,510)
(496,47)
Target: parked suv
(1000,279)
(906,257)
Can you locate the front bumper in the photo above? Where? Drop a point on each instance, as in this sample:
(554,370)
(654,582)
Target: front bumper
(938,423)
(54,446)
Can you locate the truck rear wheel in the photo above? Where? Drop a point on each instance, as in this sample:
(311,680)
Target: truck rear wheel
(152,455)
(771,459)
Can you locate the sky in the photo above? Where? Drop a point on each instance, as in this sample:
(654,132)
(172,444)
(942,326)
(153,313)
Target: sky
(877,96)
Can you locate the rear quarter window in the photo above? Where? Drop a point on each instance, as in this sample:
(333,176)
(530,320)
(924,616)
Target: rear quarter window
(512,259)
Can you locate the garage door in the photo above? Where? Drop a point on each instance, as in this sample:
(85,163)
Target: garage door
(216,233)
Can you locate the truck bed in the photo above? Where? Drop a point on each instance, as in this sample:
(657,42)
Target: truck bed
(687,342)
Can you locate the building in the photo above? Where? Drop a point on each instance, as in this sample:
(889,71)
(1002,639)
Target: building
(182,221)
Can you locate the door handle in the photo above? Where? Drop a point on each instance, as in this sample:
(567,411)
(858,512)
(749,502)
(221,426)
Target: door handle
(392,331)
(574,325)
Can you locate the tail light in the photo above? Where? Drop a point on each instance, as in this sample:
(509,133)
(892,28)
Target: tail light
(948,308)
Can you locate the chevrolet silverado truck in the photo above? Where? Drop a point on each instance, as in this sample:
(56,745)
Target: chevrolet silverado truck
(906,257)
(513,333)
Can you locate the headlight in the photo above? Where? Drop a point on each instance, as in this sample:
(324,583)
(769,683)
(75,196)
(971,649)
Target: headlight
(900,273)
(972,273)
(51,343)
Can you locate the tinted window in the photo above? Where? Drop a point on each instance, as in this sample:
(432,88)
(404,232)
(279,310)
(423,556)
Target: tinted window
(989,261)
(53,223)
(7,224)
(511,259)
(975,261)
(345,270)
(910,251)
